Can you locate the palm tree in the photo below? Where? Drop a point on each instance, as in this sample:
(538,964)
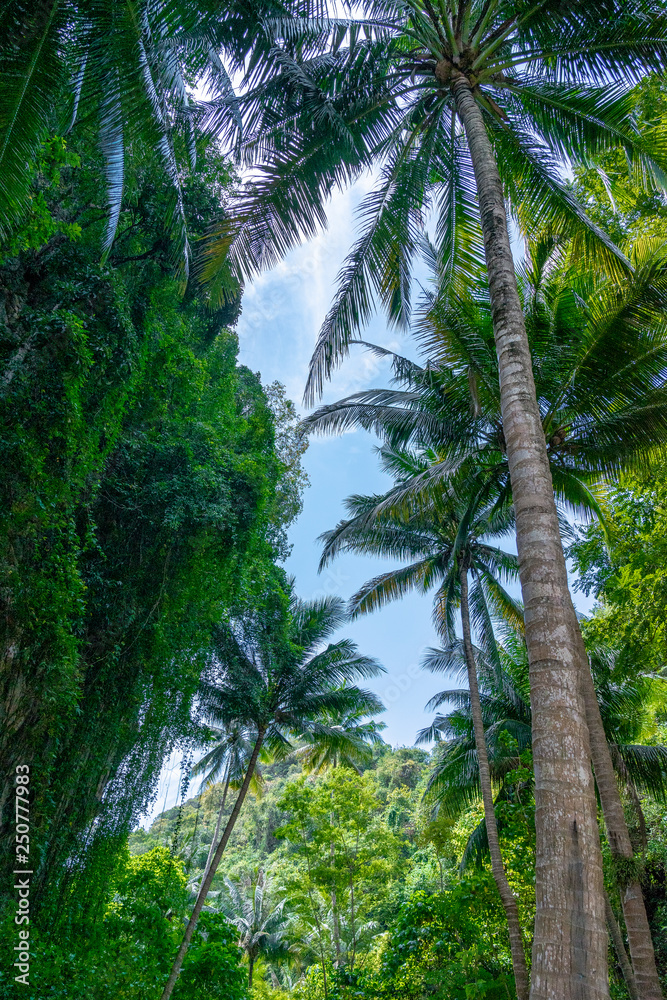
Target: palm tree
(228,757)
(623,694)
(261,923)
(124,67)
(274,671)
(467,107)
(445,543)
(340,739)
(599,351)
(599,356)
(352,937)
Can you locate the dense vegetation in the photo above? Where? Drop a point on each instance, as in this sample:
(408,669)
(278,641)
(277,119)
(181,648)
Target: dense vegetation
(149,482)
(144,496)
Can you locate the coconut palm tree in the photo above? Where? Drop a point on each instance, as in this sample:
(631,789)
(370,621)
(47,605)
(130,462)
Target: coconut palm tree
(228,757)
(341,739)
(274,670)
(260,921)
(124,68)
(599,357)
(599,351)
(623,694)
(467,108)
(445,543)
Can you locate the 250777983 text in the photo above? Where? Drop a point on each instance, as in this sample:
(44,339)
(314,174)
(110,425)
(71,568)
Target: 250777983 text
(22,874)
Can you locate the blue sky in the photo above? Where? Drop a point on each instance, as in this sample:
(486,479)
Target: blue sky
(282,313)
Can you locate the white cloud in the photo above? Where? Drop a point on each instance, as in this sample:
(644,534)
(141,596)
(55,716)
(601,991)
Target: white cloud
(284,308)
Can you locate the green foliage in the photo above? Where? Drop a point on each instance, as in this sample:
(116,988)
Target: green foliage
(341,859)
(622,568)
(455,943)
(212,969)
(124,70)
(138,506)
(253,906)
(623,204)
(126,954)
(41,223)
(446,946)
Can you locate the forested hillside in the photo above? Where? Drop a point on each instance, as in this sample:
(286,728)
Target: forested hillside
(157,157)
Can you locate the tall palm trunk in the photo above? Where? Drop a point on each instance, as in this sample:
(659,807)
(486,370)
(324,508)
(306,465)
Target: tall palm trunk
(619,948)
(640,941)
(497,866)
(570,942)
(208,879)
(334,910)
(217,826)
(334,899)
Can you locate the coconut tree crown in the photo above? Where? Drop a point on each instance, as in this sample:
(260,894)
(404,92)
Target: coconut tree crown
(283,677)
(334,97)
(599,351)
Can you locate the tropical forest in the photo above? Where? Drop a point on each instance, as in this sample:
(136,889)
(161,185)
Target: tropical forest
(333,499)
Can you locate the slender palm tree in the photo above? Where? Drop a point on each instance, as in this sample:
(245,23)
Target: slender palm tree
(623,694)
(260,921)
(467,108)
(352,937)
(599,351)
(228,757)
(446,543)
(275,671)
(340,739)
(599,357)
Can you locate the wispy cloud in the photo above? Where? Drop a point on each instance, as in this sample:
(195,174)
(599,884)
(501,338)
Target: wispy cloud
(284,308)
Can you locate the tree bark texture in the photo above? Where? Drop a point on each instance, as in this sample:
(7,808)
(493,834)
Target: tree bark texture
(640,941)
(208,879)
(570,941)
(509,902)
(334,908)
(619,948)
(217,827)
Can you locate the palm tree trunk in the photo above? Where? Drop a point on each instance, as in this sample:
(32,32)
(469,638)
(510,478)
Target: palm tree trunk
(334,910)
(334,899)
(217,827)
(208,879)
(352,926)
(618,836)
(497,866)
(619,948)
(570,941)
(251,963)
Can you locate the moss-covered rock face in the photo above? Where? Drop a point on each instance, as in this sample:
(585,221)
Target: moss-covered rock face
(137,499)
